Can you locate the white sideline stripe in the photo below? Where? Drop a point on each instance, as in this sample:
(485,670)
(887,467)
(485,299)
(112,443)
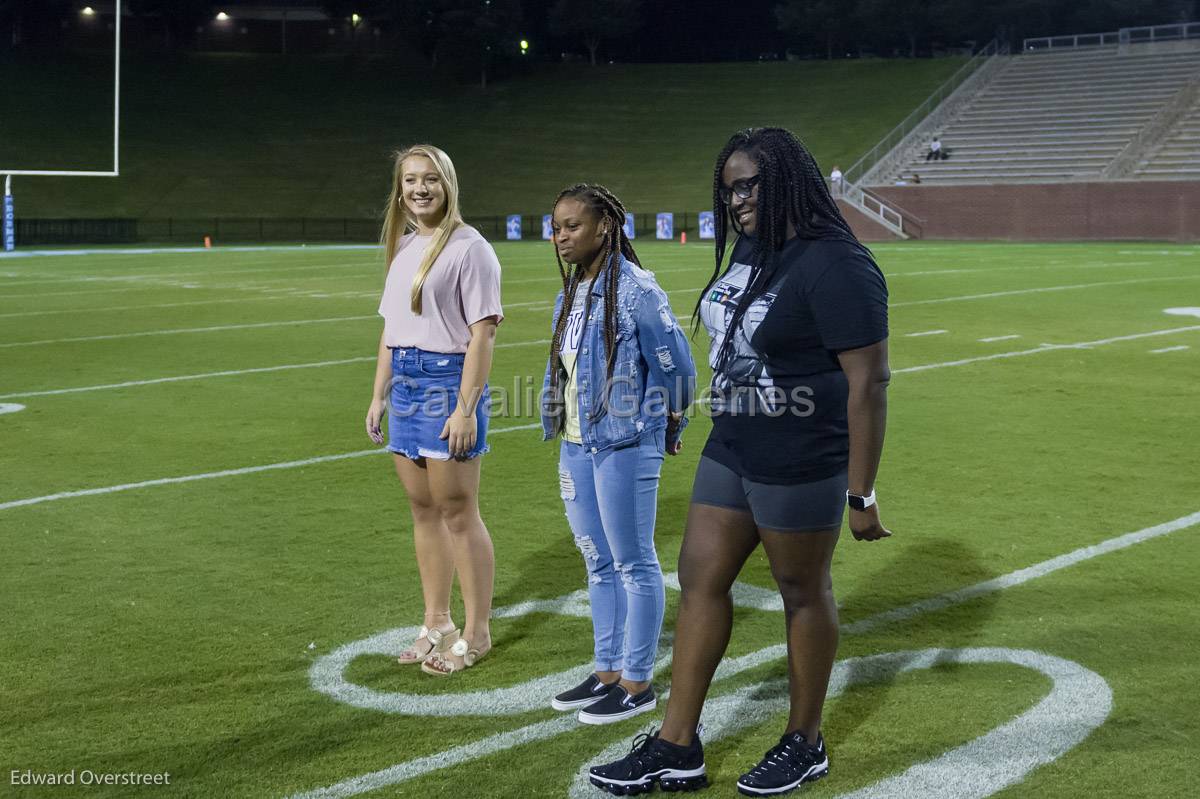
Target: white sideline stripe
(89,492)
(990,339)
(172,250)
(229,373)
(1081,345)
(1041,290)
(217,328)
(69,277)
(729,667)
(10,407)
(111,309)
(1170,349)
(926,333)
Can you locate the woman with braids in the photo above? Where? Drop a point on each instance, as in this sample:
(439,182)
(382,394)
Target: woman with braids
(798,322)
(440,306)
(619,377)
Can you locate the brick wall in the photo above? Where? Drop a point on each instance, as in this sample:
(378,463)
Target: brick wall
(1116,210)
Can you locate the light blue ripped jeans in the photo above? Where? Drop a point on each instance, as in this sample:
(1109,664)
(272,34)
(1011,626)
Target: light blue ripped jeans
(611,497)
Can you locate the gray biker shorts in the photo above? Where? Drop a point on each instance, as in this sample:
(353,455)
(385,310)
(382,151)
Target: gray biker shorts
(800,507)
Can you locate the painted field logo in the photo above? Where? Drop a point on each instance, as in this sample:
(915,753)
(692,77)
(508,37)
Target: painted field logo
(1078,703)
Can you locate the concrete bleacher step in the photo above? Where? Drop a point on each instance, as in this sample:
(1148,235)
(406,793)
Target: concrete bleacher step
(1050,114)
(1065,116)
(1067,103)
(1024,140)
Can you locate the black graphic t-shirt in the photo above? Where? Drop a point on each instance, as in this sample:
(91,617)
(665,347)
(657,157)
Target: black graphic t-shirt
(779,402)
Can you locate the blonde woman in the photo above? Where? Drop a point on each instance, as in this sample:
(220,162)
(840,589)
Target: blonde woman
(440,306)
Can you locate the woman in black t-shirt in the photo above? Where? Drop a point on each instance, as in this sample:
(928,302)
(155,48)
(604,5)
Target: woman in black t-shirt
(798,322)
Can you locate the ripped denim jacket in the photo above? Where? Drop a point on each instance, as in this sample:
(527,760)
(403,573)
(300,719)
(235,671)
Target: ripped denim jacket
(653,372)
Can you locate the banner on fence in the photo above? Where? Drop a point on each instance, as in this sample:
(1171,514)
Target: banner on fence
(514,227)
(707,226)
(665,229)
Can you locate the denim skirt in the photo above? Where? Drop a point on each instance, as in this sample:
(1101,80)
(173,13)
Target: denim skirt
(424,392)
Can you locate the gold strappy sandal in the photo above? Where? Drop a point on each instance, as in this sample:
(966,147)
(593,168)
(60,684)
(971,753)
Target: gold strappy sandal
(435,642)
(440,665)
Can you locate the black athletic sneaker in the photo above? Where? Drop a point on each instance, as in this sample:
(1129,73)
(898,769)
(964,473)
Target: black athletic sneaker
(788,764)
(588,692)
(618,705)
(651,760)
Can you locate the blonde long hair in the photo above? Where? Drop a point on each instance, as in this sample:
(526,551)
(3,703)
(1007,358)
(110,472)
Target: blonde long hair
(397,222)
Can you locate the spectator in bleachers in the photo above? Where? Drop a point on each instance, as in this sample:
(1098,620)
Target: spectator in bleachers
(835,181)
(916,178)
(936,153)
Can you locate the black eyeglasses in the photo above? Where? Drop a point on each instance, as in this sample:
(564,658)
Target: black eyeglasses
(742,188)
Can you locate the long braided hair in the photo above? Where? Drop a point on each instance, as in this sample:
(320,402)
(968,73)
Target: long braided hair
(791,191)
(605,205)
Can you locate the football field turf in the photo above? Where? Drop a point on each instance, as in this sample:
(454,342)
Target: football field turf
(205,563)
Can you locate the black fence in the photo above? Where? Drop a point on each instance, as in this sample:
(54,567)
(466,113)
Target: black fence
(247,230)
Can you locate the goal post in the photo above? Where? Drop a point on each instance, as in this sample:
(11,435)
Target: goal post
(9,224)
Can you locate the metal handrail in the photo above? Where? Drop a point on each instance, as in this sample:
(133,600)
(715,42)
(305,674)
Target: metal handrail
(1145,33)
(860,167)
(872,206)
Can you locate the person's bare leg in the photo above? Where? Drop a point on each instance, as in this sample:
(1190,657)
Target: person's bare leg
(431,540)
(454,486)
(801,563)
(716,543)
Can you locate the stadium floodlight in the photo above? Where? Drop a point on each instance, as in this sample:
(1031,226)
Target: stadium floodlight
(222,16)
(355,19)
(524,46)
(88,11)
(7,224)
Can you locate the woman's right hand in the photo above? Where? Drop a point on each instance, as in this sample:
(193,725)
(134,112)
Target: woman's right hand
(375,420)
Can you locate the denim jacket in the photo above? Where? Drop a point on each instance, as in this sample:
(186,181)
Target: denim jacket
(653,371)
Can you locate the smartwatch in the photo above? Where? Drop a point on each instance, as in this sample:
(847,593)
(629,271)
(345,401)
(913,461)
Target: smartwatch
(860,503)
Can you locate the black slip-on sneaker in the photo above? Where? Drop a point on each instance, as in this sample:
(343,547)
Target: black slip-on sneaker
(618,705)
(588,692)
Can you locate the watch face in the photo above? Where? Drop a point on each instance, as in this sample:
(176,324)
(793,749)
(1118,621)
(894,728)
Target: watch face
(858,503)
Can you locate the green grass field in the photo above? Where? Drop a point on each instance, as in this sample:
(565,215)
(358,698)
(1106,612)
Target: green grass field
(1042,402)
(259,136)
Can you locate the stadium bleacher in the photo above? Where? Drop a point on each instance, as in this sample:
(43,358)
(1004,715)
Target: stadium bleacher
(1066,115)
(1178,156)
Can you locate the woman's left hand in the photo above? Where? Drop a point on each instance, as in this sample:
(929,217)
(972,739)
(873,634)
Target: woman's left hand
(674,443)
(460,432)
(865,524)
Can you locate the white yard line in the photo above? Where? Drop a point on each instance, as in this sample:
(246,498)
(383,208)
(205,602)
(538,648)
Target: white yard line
(88,492)
(229,373)
(1170,349)
(182,330)
(1041,290)
(181,250)
(66,277)
(990,339)
(114,308)
(294,464)
(1045,348)
(926,333)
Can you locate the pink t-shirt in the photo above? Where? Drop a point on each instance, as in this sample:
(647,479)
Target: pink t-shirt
(462,288)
